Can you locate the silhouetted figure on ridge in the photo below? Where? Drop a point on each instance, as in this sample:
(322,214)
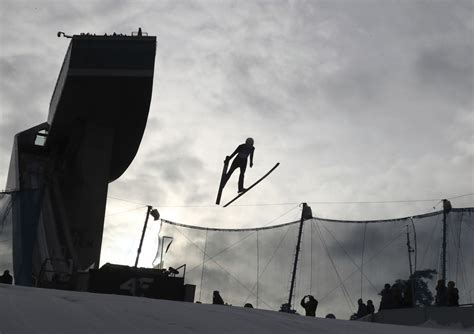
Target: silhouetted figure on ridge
(330,316)
(217,299)
(370,307)
(243,151)
(386,301)
(362,309)
(452,294)
(397,297)
(6,278)
(408,294)
(309,306)
(441,293)
(248,305)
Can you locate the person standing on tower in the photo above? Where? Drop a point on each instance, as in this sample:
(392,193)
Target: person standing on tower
(242,152)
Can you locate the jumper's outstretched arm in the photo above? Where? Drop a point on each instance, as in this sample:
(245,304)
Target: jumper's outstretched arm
(232,155)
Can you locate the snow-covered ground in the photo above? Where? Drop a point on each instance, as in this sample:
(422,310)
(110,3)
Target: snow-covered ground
(32,310)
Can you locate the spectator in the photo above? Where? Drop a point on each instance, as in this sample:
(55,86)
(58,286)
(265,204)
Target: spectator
(397,297)
(408,294)
(370,307)
(310,305)
(441,293)
(217,299)
(452,294)
(362,309)
(386,301)
(6,278)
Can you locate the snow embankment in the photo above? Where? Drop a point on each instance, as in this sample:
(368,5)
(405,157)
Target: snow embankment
(33,310)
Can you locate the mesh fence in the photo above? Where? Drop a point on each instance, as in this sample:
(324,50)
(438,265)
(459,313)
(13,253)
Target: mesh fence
(6,260)
(339,261)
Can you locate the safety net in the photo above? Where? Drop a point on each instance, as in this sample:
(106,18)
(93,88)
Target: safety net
(339,261)
(6,260)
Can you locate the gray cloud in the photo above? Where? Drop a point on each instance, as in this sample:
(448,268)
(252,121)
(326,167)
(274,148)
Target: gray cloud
(447,72)
(358,101)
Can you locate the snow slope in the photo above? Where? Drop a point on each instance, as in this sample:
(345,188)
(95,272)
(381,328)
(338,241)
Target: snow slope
(33,310)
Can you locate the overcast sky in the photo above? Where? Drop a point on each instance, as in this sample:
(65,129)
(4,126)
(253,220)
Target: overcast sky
(358,101)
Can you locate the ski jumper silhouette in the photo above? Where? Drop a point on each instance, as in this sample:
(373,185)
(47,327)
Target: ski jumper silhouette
(242,152)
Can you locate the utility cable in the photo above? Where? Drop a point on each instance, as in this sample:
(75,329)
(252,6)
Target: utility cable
(126,200)
(203,262)
(121,212)
(459,246)
(271,258)
(467,225)
(341,283)
(435,225)
(377,254)
(295,203)
(350,258)
(460,266)
(467,283)
(222,268)
(242,239)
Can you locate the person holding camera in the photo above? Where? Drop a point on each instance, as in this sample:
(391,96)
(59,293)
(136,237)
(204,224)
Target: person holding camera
(310,305)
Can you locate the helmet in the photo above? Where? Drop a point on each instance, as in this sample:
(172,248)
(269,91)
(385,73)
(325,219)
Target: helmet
(249,141)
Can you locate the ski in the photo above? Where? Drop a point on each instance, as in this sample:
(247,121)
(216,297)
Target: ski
(221,184)
(253,185)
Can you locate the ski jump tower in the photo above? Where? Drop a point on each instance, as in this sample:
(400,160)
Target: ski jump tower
(60,170)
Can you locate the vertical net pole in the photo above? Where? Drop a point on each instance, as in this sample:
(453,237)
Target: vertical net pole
(311,260)
(414,240)
(258,269)
(306,213)
(459,247)
(143,234)
(443,256)
(202,270)
(446,208)
(362,261)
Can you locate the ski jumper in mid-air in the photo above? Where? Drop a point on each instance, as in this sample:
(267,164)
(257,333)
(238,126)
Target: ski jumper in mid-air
(242,152)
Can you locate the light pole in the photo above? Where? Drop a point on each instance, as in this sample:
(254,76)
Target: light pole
(156,215)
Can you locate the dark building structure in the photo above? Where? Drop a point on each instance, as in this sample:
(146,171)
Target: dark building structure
(144,282)
(60,170)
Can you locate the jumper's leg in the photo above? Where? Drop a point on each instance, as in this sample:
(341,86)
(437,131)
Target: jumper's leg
(243,167)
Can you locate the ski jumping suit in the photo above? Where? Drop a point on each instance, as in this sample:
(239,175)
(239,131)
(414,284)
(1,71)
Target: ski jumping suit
(240,161)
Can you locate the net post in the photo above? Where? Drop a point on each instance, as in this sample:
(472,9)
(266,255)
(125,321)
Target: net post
(143,234)
(446,208)
(306,213)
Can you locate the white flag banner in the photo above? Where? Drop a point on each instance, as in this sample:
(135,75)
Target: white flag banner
(164,244)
